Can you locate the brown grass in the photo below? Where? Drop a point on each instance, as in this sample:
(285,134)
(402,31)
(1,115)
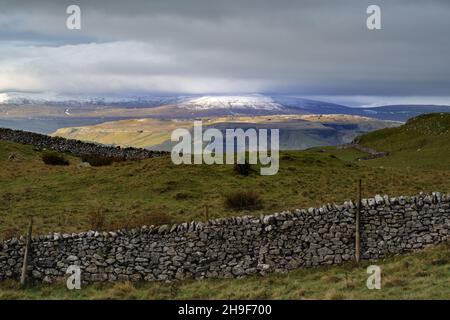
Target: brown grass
(243,200)
(97,220)
(143,219)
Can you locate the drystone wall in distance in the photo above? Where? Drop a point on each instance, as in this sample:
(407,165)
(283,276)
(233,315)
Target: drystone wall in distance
(76,147)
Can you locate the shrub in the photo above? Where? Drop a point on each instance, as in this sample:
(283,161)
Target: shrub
(241,200)
(97,161)
(54,159)
(243,169)
(287,157)
(182,196)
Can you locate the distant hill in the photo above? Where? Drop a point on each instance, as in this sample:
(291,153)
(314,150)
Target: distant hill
(245,105)
(423,141)
(401,112)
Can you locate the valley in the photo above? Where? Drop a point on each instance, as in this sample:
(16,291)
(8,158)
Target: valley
(297,132)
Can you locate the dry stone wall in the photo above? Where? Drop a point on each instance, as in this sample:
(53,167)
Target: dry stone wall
(76,147)
(237,246)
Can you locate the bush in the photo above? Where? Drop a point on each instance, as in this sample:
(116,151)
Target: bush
(287,157)
(54,159)
(182,196)
(97,161)
(243,169)
(241,200)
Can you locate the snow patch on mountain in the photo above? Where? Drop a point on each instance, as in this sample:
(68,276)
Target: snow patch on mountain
(254,102)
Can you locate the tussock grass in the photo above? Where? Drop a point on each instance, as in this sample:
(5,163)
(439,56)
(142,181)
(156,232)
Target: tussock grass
(240,200)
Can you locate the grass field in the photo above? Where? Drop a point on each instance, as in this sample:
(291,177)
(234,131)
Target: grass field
(62,199)
(70,198)
(422,275)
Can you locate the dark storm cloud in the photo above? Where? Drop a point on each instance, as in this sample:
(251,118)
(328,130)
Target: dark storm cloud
(306,47)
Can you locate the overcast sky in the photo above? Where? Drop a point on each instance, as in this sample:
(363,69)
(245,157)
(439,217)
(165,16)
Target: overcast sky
(312,48)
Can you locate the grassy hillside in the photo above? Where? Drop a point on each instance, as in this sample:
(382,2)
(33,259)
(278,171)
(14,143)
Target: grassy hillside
(138,133)
(423,142)
(69,198)
(422,275)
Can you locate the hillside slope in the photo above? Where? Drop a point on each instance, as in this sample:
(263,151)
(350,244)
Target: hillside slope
(71,198)
(422,142)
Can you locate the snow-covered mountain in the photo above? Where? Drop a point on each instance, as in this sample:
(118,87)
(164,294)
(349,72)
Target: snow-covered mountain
(192,102)
(195,103)
(180,106)
(20,98)
(252,102)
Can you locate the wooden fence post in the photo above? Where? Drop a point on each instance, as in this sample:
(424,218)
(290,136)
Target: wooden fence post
(23,277)
(357,225)
(206,213)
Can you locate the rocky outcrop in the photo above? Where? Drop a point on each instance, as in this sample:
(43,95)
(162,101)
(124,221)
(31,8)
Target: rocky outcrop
(237,246)
(76,147)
